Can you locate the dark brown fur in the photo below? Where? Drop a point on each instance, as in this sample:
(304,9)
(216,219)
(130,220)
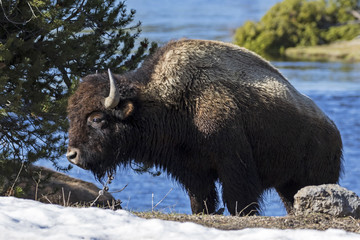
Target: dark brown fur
(207,111)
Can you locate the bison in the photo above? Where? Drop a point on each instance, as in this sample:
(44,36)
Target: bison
(206,111)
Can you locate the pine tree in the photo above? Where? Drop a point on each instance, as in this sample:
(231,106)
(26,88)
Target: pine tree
(45,46)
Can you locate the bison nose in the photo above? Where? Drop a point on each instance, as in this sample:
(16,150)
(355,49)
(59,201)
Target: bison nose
(73,155)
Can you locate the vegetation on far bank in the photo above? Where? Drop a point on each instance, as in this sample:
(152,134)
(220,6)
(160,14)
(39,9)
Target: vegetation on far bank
(293,23)
(348,51)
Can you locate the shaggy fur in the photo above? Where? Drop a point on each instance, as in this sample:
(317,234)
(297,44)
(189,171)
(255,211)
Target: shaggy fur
(206,111)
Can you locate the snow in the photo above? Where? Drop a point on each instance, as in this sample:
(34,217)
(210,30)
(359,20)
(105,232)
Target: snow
(27,219)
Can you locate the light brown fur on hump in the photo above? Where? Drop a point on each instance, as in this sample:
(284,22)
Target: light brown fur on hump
(195,64)
(209,118)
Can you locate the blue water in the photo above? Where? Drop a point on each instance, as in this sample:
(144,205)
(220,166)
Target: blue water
(165,20)
(335,87)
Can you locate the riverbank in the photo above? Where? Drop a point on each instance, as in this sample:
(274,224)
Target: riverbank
(347,51)
(315,222)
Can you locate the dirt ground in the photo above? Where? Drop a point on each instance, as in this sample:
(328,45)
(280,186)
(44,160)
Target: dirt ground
(316,221)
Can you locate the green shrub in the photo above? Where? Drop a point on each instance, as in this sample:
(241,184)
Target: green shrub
(293,23)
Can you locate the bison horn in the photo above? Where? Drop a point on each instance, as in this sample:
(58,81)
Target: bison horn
(114,96)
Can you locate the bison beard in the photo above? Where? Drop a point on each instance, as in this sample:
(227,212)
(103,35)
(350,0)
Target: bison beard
(206,111)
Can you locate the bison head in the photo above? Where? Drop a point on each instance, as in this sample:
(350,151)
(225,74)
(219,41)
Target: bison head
(99,113)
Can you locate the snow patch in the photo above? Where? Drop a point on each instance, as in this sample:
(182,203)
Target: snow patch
(27,219)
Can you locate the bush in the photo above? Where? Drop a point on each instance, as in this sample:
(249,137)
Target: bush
(299,23)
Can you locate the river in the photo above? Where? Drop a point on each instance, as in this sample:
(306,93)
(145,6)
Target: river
(334,86)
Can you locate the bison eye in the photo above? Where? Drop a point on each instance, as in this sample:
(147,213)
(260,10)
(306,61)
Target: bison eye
(97,120)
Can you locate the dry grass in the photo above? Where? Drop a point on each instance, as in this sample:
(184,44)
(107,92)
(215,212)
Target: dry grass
(348,51)
(316,221)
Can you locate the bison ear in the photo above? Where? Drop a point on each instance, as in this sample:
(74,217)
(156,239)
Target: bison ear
(124,110)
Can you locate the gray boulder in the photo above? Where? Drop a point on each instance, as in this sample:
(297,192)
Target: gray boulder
(328,199)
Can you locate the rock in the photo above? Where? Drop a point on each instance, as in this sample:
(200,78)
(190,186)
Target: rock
(48,186)
(327,199)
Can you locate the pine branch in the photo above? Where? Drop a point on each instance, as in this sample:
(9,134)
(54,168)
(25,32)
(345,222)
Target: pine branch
(15,22)
(76,12)
(65,77)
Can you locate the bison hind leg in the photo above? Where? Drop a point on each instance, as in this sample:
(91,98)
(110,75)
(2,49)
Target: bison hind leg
(241,195)
(286,193)
(241,202)
(206,204)
(202,192)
